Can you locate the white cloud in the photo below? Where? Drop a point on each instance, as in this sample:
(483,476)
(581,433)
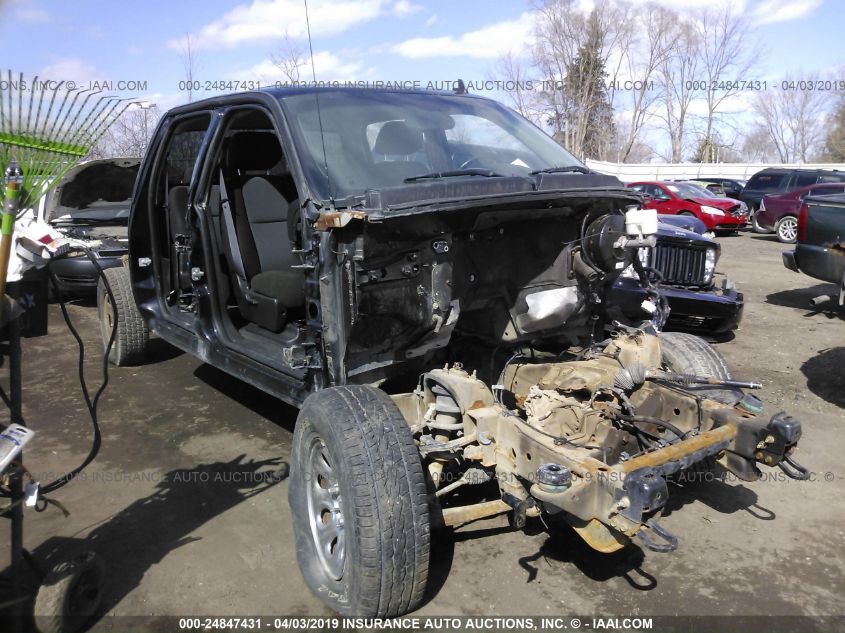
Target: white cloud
(327,66)
(405,7)
(263,20)
(487,42)
(431,21)
(770,11)
(71,69)
(26,11)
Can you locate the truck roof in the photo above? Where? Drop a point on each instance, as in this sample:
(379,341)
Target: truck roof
(287,91)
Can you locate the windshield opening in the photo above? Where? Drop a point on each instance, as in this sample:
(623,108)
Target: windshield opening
(380,139)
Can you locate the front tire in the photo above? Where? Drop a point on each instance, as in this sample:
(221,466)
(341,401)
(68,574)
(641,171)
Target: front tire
(132,337)
(689,354)
(786,229)
(359,503)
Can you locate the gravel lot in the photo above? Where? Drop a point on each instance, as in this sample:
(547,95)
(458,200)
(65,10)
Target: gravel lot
(185,528)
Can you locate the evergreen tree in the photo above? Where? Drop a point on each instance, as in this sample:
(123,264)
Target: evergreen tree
(835,143)
(587,108)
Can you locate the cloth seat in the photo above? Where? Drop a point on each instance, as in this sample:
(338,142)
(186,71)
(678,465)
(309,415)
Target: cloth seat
(261,197)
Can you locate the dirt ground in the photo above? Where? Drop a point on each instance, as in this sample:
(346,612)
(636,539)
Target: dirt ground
(186,527)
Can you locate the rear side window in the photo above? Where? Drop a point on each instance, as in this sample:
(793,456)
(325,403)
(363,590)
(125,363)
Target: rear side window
(832,178)
(766,182)
(804,180)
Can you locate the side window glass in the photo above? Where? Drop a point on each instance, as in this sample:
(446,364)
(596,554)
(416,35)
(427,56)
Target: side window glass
(804,180)
(181,152)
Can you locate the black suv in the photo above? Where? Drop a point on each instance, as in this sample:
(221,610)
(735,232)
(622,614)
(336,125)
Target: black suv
(780,180)
(424,275)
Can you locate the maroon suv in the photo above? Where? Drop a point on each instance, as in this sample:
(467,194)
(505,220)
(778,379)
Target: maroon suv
(779,212)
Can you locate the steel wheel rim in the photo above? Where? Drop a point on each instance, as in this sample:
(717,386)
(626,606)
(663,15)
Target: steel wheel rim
(107,319)
(325,511)
(84,594)
(788,229)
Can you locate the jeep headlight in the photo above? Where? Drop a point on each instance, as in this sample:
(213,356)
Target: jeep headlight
(711,210)
(644,254)
(711,256)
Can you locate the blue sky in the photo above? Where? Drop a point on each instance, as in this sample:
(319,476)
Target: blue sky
(389,40)
(364,39)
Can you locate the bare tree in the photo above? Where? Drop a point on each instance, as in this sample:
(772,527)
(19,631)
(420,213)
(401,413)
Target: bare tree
(289,59)
(757,147)
(189,64)
(572,53)
(644,57)
(515,73)
(678,73)
(726,60)
(794,119)
(129,135)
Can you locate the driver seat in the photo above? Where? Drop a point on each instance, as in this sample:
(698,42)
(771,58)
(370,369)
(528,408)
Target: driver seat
(398,139)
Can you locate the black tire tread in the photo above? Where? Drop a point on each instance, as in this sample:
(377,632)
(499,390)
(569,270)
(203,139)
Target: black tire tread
(690,354)
(50,601)
(390,507)
(133,335)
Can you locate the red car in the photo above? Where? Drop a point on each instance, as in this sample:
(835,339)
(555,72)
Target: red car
(680,198)
(778,212)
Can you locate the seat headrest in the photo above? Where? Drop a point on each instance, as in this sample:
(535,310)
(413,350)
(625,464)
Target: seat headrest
(254,151)
(397,138)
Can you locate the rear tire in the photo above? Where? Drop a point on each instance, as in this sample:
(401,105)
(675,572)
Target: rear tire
(786,229)
(132,337)
(359,503)
(689,354)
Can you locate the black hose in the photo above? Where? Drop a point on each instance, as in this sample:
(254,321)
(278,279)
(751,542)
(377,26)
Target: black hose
(90,403)
(643,419)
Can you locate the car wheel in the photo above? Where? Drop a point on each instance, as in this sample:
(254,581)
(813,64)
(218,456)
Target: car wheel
(359,502)
(787,229)
(689,354)
(132,335)
(687,213)
(69,595)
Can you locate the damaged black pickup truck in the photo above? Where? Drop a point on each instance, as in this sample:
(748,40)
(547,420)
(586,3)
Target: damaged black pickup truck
(424,275)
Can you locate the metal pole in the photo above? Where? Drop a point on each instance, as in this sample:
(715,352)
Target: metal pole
(14,178)
(16,483)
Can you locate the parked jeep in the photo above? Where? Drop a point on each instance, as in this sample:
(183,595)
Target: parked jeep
(684,263)
(424,275)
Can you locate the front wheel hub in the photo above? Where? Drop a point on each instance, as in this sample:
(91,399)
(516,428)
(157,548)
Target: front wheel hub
(325,511)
